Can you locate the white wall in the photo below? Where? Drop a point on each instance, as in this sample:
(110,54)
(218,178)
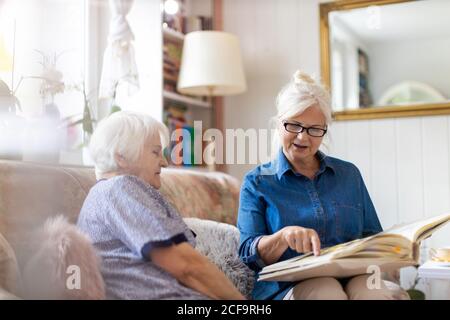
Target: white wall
(276,38)
(425,60)
(405,162)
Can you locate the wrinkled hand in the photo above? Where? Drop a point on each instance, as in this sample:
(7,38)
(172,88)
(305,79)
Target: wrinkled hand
(302,240)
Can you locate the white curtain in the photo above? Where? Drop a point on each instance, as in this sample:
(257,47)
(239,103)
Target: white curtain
(119,64)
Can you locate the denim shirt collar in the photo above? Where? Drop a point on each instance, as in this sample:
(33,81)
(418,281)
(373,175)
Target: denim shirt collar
(282,165)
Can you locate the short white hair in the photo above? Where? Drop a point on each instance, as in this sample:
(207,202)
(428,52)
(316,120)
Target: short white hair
(123,133)
(294,98)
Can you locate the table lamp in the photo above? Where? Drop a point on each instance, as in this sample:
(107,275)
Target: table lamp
(211,65)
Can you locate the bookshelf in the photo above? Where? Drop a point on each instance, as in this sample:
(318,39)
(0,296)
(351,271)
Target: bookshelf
(173,96)
(179,110)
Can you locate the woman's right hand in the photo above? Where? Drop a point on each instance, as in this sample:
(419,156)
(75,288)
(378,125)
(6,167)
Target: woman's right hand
(299,239)
(195,271)
(302,240)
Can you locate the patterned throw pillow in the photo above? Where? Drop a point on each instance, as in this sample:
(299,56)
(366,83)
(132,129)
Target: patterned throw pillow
(219,242)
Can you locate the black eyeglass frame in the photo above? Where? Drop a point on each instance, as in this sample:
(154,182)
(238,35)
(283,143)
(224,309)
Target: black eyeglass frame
(303,128)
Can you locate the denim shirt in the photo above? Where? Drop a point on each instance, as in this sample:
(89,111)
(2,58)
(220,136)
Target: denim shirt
(336,204)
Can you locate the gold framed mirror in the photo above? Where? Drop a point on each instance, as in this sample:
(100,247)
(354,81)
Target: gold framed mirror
(386,58)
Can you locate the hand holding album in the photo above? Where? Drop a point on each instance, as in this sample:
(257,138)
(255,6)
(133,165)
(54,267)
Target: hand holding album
(391,249)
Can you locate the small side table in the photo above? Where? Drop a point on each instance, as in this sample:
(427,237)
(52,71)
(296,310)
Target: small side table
(437,278)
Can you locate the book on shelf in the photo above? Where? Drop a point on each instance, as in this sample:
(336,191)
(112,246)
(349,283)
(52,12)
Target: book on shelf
(173,78)
(176,141)
(172,54)
(170,64)
(188,145)
(170,87)
(174,115)
(176,111)
(391,249)
(198,23)
(179,150)
(183,149)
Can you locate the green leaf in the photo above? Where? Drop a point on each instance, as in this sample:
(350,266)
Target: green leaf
(87,120)
(415,294)
(115,108)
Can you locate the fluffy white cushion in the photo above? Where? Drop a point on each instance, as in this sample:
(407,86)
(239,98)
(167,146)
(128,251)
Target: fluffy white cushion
(220,242)
(59,252)
(9,271)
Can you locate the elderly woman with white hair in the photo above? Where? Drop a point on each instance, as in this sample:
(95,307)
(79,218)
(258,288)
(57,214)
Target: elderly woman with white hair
(304,200)
(147,250)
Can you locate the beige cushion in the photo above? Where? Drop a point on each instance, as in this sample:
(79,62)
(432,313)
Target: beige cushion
(63,264)
(9,270)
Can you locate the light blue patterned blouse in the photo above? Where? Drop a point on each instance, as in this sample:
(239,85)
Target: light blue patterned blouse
(126,218)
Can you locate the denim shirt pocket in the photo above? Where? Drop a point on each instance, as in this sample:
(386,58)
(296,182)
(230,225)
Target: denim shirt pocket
(349,220)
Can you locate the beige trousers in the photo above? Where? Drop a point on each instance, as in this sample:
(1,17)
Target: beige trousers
(328,288)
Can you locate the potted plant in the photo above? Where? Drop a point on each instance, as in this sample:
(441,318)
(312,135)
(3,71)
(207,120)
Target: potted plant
(41,140)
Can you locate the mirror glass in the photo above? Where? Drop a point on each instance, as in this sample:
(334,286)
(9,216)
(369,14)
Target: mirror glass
(390,55)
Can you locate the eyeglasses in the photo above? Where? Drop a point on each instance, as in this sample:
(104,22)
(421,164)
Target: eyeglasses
(298,128)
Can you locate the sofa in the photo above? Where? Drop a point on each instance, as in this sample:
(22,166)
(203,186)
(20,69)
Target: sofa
(31,194)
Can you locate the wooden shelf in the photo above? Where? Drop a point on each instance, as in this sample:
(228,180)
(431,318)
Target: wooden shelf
(199,169)
(187,100)
(170,77)
(173,35)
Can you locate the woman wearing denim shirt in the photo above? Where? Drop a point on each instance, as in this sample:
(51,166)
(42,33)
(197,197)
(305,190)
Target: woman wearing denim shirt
(303,200)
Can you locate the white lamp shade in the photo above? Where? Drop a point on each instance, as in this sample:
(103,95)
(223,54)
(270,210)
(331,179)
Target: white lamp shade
(211,64)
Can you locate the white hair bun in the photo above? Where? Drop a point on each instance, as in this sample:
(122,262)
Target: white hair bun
(301,77)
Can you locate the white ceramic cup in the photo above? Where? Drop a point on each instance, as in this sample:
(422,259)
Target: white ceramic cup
(440,254)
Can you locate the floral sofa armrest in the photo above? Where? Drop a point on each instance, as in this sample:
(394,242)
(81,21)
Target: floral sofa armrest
(205,195)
